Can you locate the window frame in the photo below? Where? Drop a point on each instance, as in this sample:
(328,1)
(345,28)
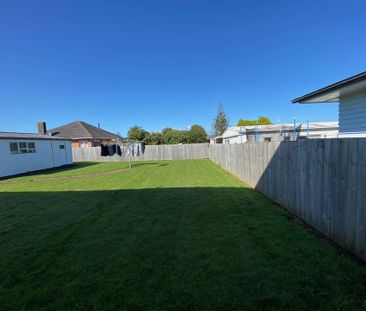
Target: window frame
(32,148)
(11,149)
(23,147)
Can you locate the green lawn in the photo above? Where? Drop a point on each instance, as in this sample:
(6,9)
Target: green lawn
(172,235)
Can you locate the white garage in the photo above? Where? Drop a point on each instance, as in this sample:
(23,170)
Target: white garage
(22,153)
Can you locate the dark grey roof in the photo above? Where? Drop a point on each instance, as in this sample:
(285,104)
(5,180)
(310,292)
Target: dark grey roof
(33,136)
(332,87)
(82,130)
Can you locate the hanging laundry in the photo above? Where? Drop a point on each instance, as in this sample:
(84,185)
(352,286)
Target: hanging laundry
(110,150)
(132,151)
(142,148)
(136,149)
(104,150)
(129,150)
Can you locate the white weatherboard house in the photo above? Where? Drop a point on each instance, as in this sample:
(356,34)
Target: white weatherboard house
(279,132)
(351,96)
(21,152)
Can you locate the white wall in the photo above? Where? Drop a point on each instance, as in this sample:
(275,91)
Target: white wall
(234,140)
(48,155)
(319,133)
(352,114)
(233,136)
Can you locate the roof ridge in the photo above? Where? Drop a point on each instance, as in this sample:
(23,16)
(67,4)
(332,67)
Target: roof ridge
(84,127)
(85,130)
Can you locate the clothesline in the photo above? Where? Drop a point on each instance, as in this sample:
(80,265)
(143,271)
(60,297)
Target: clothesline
(134,149)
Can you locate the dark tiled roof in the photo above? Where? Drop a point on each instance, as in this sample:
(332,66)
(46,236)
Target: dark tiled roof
(13,135)
(82,130)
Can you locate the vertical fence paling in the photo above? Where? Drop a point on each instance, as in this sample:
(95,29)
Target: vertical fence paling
(322,182)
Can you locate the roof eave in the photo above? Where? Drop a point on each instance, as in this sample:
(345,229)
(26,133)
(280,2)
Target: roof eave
(335,87)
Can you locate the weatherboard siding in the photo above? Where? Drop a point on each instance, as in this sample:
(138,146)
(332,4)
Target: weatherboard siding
(352,114)
(48,155)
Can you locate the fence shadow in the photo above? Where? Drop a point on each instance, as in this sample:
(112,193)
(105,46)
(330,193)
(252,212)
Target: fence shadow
(322,181)
(164,248)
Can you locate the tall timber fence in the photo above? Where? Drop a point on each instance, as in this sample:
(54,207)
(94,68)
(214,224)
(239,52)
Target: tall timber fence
(152,153)
(322,182)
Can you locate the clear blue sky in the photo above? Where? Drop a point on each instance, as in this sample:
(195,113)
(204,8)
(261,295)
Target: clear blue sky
(169,63)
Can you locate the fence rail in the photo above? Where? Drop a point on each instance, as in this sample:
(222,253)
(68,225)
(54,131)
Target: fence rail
(321,181)
(152,153)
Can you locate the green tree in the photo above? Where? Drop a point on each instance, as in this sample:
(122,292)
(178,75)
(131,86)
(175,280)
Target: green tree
(260,121)
(137,133)
(183,137)
(264,120)
(197,134)
(174,136)
(221,122)
(167,135)
(154,138)
(243,122)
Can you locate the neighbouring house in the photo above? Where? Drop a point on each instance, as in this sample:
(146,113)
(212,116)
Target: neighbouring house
(84,134)
(215,139)
(351,96)
(279,132)
(313,130)
(27,152)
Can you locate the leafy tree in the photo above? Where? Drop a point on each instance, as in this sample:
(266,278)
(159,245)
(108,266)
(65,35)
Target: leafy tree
(183,137)
(197,134)
(173,136)
(221,122)
(137,133)
(154,138)
(260,121)
(167,135)
(243,122)
(264,120)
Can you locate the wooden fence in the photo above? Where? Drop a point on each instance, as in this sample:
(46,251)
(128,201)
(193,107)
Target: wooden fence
(322,182)
(152,153)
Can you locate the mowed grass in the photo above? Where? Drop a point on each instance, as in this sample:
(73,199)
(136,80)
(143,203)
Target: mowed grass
(171,235)
(77,169)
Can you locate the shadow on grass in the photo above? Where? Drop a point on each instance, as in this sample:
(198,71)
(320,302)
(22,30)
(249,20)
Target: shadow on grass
(166,249)
(65,168)
(159,164)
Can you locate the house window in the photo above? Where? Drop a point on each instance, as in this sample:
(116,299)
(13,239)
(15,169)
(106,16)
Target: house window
(31,147)
(61,146)
(267,139)
(14,148)
(22,147)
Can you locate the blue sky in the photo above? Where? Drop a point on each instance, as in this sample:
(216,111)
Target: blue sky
(169,63)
